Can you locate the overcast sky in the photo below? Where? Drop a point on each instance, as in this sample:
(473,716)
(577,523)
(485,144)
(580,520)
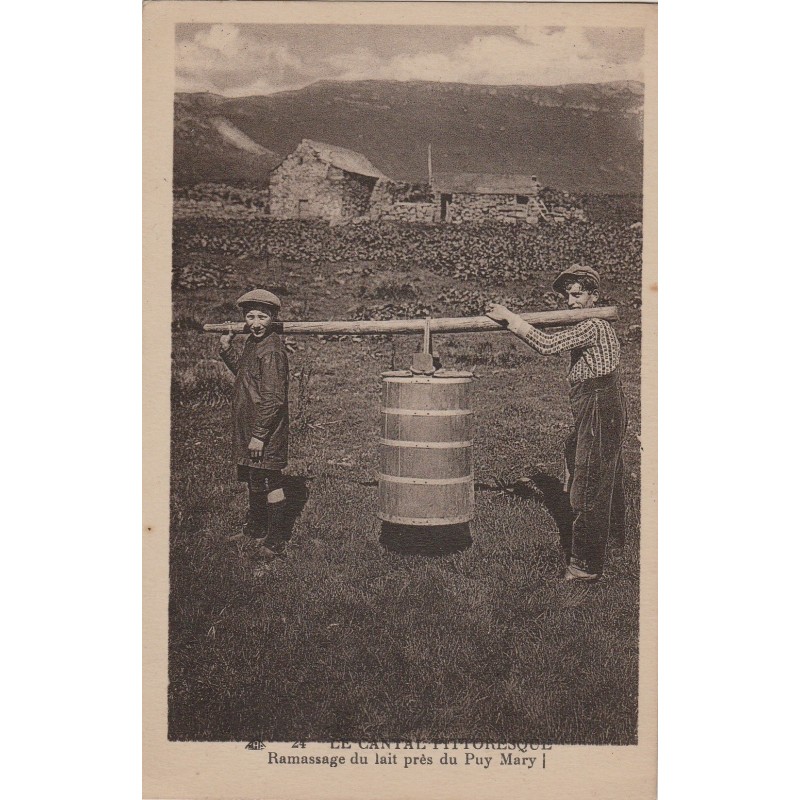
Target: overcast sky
(237,60)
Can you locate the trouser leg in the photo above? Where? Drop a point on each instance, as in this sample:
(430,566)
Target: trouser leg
(616,528)
(278,533)
(267,517)
(257,524)
(598,473)
(565,519)
(570,447)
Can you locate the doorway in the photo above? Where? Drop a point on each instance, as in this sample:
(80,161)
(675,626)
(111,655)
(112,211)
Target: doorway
(445,201)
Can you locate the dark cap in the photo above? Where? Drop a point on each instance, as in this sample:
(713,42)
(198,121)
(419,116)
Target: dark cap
(573,274)
(259,297)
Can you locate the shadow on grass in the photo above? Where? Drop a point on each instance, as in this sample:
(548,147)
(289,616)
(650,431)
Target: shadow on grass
(549,491)
(418,540)
(296,490)
(423,540)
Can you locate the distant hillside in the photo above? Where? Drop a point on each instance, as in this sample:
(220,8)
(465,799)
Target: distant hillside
(209,147)
(578,137)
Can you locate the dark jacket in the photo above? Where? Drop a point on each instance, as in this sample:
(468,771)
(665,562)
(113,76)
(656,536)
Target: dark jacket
(260,401)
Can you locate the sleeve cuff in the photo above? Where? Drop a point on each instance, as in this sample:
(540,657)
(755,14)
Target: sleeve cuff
(519,326)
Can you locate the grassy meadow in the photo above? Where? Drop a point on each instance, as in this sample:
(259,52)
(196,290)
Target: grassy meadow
(370,632)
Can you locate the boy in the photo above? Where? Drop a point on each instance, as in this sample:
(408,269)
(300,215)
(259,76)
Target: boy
(261,417)
(593,450)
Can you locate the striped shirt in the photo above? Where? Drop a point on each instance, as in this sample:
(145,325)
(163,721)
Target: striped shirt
(593,346)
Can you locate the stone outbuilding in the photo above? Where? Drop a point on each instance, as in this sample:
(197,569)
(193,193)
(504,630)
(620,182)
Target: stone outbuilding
(477,197)
(322,181)
(395,201)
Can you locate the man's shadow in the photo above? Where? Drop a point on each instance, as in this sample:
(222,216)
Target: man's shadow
(549,491)
(551,494)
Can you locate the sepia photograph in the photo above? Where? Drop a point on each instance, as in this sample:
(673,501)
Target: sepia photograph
(407,424)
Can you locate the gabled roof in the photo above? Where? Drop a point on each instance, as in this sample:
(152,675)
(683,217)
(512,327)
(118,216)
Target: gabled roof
(347,160)
(481,183)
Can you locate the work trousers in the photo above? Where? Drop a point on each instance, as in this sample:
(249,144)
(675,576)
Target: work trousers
(595,473)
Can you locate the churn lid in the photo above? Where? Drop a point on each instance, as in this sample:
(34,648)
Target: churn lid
(453,373)
(397,373)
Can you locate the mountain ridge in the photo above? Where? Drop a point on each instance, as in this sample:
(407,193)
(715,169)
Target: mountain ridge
(576,137)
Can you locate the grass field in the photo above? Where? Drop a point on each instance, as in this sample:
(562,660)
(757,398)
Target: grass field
(370,633)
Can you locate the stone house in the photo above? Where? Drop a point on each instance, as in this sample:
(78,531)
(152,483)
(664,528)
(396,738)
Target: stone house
(475,197)
(322,181)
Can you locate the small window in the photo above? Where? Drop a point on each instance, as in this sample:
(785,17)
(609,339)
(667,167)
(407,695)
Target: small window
(522,199)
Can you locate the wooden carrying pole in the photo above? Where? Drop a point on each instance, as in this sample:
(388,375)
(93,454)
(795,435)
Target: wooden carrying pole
(370,327)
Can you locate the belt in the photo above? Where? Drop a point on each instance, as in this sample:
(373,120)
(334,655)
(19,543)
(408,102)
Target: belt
(593,384)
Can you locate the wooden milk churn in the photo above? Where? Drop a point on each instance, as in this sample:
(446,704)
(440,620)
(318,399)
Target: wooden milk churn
(426,475)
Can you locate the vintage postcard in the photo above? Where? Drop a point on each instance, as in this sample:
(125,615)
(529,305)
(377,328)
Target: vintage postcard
(400,400)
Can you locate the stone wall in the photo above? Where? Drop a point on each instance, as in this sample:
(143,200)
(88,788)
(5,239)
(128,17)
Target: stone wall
(381,201)
(565,213)
(219,201)
(216,209)
(494,207)
(356,192)
(385,204)
(406,212)
(563,206)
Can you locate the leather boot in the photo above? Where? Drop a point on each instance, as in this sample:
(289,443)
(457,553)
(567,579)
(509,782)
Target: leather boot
(278,531)
(257,525)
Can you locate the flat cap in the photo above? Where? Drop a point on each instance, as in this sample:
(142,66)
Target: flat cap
(575,273)
(259,296)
